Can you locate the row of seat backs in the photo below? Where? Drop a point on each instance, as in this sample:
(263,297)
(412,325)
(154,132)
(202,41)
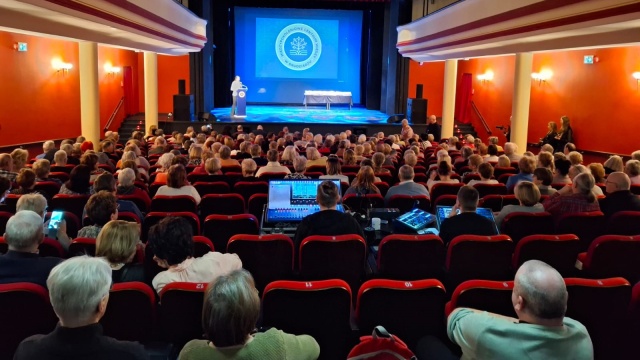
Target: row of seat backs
(322,309)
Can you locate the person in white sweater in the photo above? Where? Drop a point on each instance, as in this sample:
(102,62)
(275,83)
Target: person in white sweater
(177,184)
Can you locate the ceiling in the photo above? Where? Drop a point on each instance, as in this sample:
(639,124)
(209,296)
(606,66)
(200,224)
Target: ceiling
(477,28)
(161,26)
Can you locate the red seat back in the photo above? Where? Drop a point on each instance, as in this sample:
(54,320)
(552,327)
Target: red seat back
(222,204)
(478,257)
(406,203)
(587,226)
(162,203)
(614,256)
(220,228)
(521,224)
(181,312)
(559,251)
(410,257)
(485,295)
(131,314)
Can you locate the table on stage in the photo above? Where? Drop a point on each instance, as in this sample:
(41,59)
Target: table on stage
(328,98)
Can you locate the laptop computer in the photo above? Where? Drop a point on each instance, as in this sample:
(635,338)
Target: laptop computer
(292,200)
(442,212)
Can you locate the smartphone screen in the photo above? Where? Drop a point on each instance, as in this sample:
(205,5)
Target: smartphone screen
(54,222)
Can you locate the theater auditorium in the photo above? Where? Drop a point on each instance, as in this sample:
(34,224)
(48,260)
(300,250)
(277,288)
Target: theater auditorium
(322,179)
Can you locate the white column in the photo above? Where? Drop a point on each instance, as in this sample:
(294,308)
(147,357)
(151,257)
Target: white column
(521,99)
(150,89)
(449,97)
(89,92)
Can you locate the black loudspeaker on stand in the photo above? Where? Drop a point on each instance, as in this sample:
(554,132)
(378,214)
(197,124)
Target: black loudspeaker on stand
(417,108)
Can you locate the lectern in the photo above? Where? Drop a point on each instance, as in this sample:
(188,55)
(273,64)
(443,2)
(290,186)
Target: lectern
(241,103)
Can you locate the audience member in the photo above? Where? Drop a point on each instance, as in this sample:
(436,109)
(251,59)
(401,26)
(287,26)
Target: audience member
(249,168)
(632,169)
(79,293)
(619,196)
(486,175)
(314,158)
(334,170)
(26,182)
(467,222)
(177,184)
(23,234)
(503,162)
(229,316)
(561,174)
(526,165)
(406,186)
(510,151)
(79,182)
(528,194)
(575,158)
(101,208)
(117,243)
(543,177)
(6,167)
(106,182)
(42,168)
(273,166)
(256,152)
(38,204)
(581,199)
(492,150)
(19,158)
(541,330)
(213,166)
(597,170)
(545,160)
(171,242)
(613,163)
(48,150)
(444,172)
(225,157)
(299,167)
(363,184)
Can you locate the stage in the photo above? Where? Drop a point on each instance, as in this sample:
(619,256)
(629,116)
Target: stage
(338,114)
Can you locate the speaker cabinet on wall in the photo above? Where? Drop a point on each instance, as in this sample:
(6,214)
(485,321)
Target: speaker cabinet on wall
(419,89)
(417,111)
(183,108)
(182,87)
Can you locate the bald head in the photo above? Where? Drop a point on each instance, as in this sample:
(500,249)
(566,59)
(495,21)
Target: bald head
(539,292)
(620,180)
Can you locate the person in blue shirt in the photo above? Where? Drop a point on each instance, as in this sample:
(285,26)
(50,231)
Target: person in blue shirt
(526,165)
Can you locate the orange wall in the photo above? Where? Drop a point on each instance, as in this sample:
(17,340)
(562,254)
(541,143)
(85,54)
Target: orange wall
(602,100)
(431,75)
(493,98)
(37,103)
(170,70)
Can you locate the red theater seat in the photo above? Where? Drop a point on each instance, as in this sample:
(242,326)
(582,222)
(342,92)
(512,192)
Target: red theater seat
(131,313)
(410,257)
(220,228)
(181,312)
(485,295)
(559,251)
(612,256)
(478,257)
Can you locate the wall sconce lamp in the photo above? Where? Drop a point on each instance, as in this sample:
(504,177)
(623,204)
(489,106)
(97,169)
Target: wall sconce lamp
(542,76)
(487,76)
(111,70)
(636,75)
(60,66)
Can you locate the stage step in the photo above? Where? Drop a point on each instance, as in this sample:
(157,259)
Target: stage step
(465,129)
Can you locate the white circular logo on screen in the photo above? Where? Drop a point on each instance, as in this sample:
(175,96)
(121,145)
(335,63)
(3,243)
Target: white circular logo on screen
(298,47)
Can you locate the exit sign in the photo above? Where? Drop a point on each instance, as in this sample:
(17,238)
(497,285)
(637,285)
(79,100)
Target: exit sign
(588,59)
(22,46)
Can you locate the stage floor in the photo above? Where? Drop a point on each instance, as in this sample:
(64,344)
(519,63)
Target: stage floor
(339,114)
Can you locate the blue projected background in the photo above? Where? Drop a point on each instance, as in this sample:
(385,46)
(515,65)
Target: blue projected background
(280,53)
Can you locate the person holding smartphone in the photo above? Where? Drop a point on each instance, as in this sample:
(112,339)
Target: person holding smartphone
(56,227)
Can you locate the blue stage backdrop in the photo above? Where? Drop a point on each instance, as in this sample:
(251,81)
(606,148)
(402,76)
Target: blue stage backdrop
(280,53)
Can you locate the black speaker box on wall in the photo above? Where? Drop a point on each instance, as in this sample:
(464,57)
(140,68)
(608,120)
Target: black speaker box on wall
(417,111)
(419,88)
(183,108)
(182,87)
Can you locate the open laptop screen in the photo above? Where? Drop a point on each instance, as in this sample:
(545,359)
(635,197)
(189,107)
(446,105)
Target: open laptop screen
(291,200)
(442,212)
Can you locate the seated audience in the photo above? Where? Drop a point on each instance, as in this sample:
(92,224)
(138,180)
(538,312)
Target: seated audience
(334,170)
(48,150)
(561,174)
(486,174)
(23,234)
(315,158)
(299,166)
(106,182)
(19,158)
(5,189)
(619,196)
(273,166)
(526,165)
(351,158)
(38,204)
(528,195)
(542,177)
(467,222)
(61,157)
(160,146)
(576,170)
(541,330)
(378,161)
(79,293)
(6,167)
(90,159)
(492,150)
(474,163)
(171,242)
(195,155)
(444,172)
(101,208)
(117,243)
(42,168)
(510,151)
(597,170)
(581,199)
(569,147)
(288,155)
(26,182)
(213,167)
(575,158)
(249,168)
(79,182)
(545,160)
(328,221)
(126,186)
(503,161)
(165,163)
(632,169)
(256,152)
(406,186)
(229,316)
(225,157)
(363,184)
(613,163)
(177,184)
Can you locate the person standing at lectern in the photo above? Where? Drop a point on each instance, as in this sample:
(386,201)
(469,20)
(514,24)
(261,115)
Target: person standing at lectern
(235,86)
